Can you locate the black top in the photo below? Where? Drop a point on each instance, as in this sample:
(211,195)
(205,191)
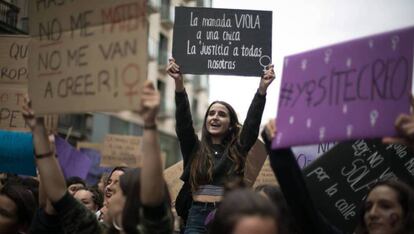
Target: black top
(190,143)
(296,193)
(73,217)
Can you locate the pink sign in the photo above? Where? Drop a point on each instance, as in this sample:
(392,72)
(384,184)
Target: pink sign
(350,90)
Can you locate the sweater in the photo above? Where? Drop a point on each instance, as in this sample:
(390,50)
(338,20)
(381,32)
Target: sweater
(189,142)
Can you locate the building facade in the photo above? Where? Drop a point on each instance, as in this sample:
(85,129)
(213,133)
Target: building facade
(93,127)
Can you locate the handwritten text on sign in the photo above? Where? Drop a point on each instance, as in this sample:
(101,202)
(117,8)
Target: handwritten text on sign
(11,101)
(87,55)
(347,171)
(121,150)
(14,54)
(222,41)
(346,91)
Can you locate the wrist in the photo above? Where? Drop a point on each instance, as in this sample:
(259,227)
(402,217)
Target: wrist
(261,91)
(47,154)
(150,126)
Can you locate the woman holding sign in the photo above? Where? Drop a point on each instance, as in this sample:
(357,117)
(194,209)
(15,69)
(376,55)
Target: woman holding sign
(141,203)
(222,150)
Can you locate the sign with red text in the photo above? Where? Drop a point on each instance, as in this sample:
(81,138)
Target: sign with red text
(87,55)
(351,90)
(120,150)
(14,54)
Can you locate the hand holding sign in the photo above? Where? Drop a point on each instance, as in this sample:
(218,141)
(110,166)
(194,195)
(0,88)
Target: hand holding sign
(150,103)
(267,79)
(173,70)
(405,128)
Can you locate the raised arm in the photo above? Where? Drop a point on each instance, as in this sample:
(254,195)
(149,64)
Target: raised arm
(293,186)
(184,123)
(49,170)
(250,130)
(152,180)
(173,70)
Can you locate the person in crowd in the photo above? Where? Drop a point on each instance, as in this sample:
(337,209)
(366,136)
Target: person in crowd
(388,209)
(112,180)
(102,182)
(243,211)
(289,175)
(141,207)
(110,184)
(74,183)
(90,197)
(17,207)
(275,195)
(223,147)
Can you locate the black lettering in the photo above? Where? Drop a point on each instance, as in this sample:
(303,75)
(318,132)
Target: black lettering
(402,73)
(347,84)
(52,30)
(62,88)
(48,90)
(378,71)
(323,88)
(81,24)
(103,80)
(360,77)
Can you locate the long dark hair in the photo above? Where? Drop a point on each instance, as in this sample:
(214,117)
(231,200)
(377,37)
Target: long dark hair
(25,203)
(276,196)
(239,203)
(202,164)
(131,188)
(405,195)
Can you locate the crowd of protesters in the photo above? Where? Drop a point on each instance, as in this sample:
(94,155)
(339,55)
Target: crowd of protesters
(213,199)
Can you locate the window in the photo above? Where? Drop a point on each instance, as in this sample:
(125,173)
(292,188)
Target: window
(162,50)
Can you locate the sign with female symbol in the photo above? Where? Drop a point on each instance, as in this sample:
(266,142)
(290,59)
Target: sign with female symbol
(346,91)
(222,41)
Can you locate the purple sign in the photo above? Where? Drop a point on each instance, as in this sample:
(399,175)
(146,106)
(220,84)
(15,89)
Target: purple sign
(306,154)
(72,161)
(95,170)
(350,90)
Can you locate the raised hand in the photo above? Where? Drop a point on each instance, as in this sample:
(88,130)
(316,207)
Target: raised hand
(150,103)
(404,125)
(173,70)
(29,116)
(266,79)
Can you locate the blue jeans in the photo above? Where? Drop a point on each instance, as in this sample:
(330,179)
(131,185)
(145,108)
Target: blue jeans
(196,217)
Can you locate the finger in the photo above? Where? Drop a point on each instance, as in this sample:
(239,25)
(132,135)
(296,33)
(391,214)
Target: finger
(394,140)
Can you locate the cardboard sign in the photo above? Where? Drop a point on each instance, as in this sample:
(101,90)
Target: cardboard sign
(254,162)
(222,41)
(121,150)
(14,54)
(72,161)
(11,101)
(266,175)
(172,178)
(339,180)
(87,55)
(350,90)
(16,153)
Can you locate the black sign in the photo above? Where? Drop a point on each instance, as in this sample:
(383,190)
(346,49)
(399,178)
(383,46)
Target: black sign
(222,41)
(339,180)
